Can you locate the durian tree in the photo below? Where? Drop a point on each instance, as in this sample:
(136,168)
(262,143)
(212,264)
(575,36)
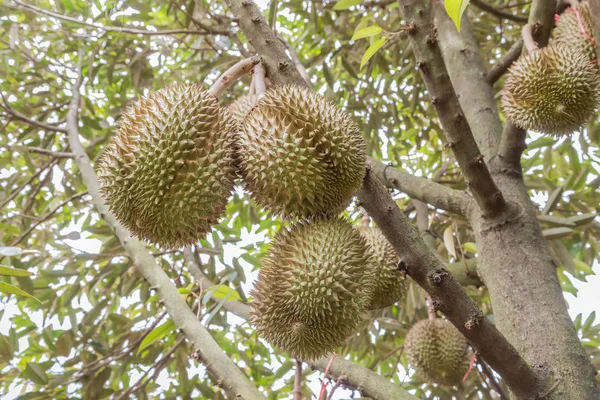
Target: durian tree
(299,199)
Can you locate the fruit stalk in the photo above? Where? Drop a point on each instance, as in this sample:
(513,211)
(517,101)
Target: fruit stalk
(234,73)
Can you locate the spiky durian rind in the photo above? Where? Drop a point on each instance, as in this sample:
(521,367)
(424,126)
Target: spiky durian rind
(553,90)
(571,33)
(300,154)
(387,283)
(167,172)
(437,351)
(241,106)
(308,297)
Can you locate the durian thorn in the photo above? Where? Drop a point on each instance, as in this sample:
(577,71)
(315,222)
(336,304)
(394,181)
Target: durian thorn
(258,78)
(234,73)
(528,40)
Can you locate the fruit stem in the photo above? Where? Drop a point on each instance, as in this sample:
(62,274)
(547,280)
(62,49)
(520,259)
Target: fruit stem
(259,80)
(233,74)
(430,309)
(253,85)
(366,220)
(530,44)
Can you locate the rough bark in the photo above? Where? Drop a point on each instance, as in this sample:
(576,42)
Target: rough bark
(595,5)
(467,74)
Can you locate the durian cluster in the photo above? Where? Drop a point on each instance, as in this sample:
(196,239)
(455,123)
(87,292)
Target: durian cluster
(169,171)
(556,89)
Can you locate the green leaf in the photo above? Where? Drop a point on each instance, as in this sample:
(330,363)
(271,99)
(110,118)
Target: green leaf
(589,321)
(273,14)
(557,233)
(35,373)
(345,4)
(371,51)
(455,10)
(223,291)
(10,251)
(157,334)
(10,289)
(7,271)
(470,246)
(366,32)
(583,219)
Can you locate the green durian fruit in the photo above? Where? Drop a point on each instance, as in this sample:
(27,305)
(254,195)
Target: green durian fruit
(387,283)
(437,351)
(300,154)
(553,90)
(308,297)
(575,29)
(167,173)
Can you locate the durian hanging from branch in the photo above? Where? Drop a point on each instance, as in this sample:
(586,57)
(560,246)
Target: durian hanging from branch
(168,171)
(553,90)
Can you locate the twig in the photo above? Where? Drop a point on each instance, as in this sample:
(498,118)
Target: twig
(22,117)
(55,154)
(298,381)
(500,68)
(118,29)
(14,194)
(482,5)
(230,76)
(491,378)
(339,382)
(260,86)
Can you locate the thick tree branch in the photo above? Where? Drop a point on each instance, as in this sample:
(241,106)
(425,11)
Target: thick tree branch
(503,64)
(460,51)
(482,5)
(218,364)
(448,295)
(422,189)
(280,68)
(457,130)
(118,29)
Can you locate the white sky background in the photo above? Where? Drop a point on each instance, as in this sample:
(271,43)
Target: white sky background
(587,300)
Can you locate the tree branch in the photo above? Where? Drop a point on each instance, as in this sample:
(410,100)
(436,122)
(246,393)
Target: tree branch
(22,117)
(482,5)
(460,51)
(297,392)
(422,189)
(54,154)
(38,10)
(256,29)
(595,8)
(448,295)
(459,134)
(503,64)
(50,164)
(218,364)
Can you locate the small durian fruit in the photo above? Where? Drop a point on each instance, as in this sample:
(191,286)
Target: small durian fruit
(575,28)
(437,351)
(553,90)
(167,173)
(387,282)
(300,154)
(241,106)
(308,298)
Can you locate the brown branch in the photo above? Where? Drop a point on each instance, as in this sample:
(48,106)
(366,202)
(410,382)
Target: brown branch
(232,74)
(23,118)
(490,376)
(218,364)
(47,217)
(460,51)
(54,154)
(280,69)
(448,295)
(119,29)
(459,134)
(14,194)
(482,5)
(297,392)
(422,189)
(503,64)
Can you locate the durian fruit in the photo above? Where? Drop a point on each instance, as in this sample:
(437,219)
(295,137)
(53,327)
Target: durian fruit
(300,154)
(167,173)
(437,351)
(553,90)
(241,106)
(571,33)
(388,284)
(308,297)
